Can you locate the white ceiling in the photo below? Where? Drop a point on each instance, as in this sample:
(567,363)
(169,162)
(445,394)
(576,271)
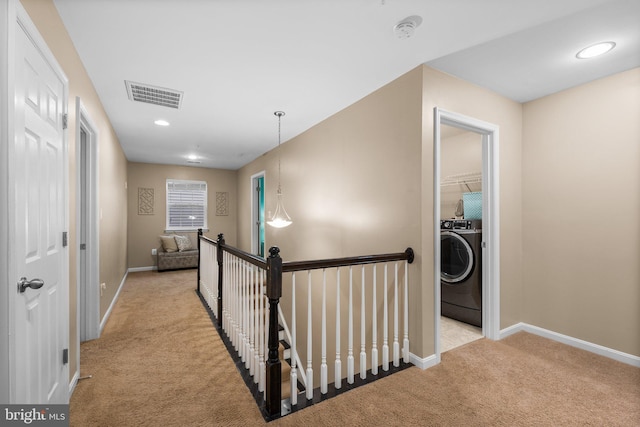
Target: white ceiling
(238,61)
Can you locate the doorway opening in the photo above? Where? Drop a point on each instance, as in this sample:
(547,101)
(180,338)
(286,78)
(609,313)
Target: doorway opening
(257,215)
(87,226)
(477,225)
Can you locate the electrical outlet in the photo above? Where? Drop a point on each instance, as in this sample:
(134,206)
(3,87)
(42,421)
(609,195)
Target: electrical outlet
(103,287)
(154,251)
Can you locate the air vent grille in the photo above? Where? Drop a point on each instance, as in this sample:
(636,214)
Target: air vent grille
(154,95)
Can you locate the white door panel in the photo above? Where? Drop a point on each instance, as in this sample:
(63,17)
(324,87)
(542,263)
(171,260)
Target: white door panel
(40,315)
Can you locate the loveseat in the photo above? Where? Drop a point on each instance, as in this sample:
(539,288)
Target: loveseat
(178,251)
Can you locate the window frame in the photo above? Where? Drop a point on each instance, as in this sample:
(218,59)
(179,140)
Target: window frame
(168,191)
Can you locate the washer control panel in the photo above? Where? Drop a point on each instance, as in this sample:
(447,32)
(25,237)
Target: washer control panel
(461,224)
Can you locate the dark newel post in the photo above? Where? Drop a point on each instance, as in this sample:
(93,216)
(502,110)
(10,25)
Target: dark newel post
(274,292)
(199,256)
(219,254)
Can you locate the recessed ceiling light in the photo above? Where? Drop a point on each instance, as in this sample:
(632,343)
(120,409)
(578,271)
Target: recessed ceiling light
(161,122)
(595,50)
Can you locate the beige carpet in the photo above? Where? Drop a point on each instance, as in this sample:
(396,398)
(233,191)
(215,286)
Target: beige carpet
(160,362)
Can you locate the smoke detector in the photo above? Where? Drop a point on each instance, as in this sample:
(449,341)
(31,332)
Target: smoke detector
(407,27)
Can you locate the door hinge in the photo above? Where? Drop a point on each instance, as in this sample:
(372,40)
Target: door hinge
(65,120)
(64,239)
(83,246)
(65,356)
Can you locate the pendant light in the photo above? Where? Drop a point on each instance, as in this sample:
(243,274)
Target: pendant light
(280,218)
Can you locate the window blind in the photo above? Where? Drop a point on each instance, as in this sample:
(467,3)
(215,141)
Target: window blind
(186,204)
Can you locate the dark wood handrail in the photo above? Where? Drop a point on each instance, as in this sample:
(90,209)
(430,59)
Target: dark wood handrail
(253,259)
(291,266)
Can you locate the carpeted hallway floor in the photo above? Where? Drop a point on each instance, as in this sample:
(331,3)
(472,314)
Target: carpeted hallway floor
(160,362)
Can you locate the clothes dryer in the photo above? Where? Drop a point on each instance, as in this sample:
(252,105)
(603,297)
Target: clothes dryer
(461,270)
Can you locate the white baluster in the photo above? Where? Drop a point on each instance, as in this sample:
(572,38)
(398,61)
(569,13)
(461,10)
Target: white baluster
(323,362)
(396,345)
(261,315)
(385,325)
(350,369)
(338,363)
(309,341)
(252,319)
(247,316)
(363,350)
(240,314)
(243,322)
(225,293)
(266,338)
(255,304)
(214,279)
(294,370)
(374,328)
(405,344)
(233,284)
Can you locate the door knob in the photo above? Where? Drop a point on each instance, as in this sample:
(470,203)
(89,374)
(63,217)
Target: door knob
(23,284)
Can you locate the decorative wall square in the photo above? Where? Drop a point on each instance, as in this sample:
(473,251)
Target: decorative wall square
(145,201)
(222,203)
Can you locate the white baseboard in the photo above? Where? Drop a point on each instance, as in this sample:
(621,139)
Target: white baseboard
(513,329)
(423,363)
(113,303)
(136,269)
(620,356)
(74,382)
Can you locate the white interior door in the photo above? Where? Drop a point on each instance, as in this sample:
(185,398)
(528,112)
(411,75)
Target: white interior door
(40,308)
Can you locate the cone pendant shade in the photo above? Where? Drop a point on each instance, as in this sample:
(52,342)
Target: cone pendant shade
(280,218)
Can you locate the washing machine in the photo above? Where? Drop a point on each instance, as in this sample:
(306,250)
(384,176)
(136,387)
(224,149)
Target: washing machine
(461,270)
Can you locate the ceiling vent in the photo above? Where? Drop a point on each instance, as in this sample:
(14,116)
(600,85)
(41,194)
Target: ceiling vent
(154,95)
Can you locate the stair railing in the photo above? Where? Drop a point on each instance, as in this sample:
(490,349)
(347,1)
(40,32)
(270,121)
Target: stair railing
(369,290)
(242,293)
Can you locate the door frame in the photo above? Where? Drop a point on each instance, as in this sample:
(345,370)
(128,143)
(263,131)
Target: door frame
(12,15)
(255,205)
(7,20)
(88,294)
(490,219)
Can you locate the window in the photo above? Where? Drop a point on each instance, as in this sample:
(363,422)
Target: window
(186,204)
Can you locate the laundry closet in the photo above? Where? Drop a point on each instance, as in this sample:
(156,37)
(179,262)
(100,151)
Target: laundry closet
(460,237)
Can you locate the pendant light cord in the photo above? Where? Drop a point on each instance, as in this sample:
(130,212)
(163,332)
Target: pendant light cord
(279,114)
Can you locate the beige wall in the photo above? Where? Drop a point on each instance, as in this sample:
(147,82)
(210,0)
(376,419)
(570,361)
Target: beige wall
(452,94)
(581,203)
(145,229)
(112,167)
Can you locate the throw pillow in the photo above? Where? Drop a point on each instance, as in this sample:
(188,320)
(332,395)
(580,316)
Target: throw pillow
(183,242)
(169,243)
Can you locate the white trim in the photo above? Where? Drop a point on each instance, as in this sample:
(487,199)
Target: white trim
(490,221)
(103,323)
(424,363)
(513,329)
(74,381)
(90,294)
(252,211)
(7,23)
(598,349)
(136,269)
